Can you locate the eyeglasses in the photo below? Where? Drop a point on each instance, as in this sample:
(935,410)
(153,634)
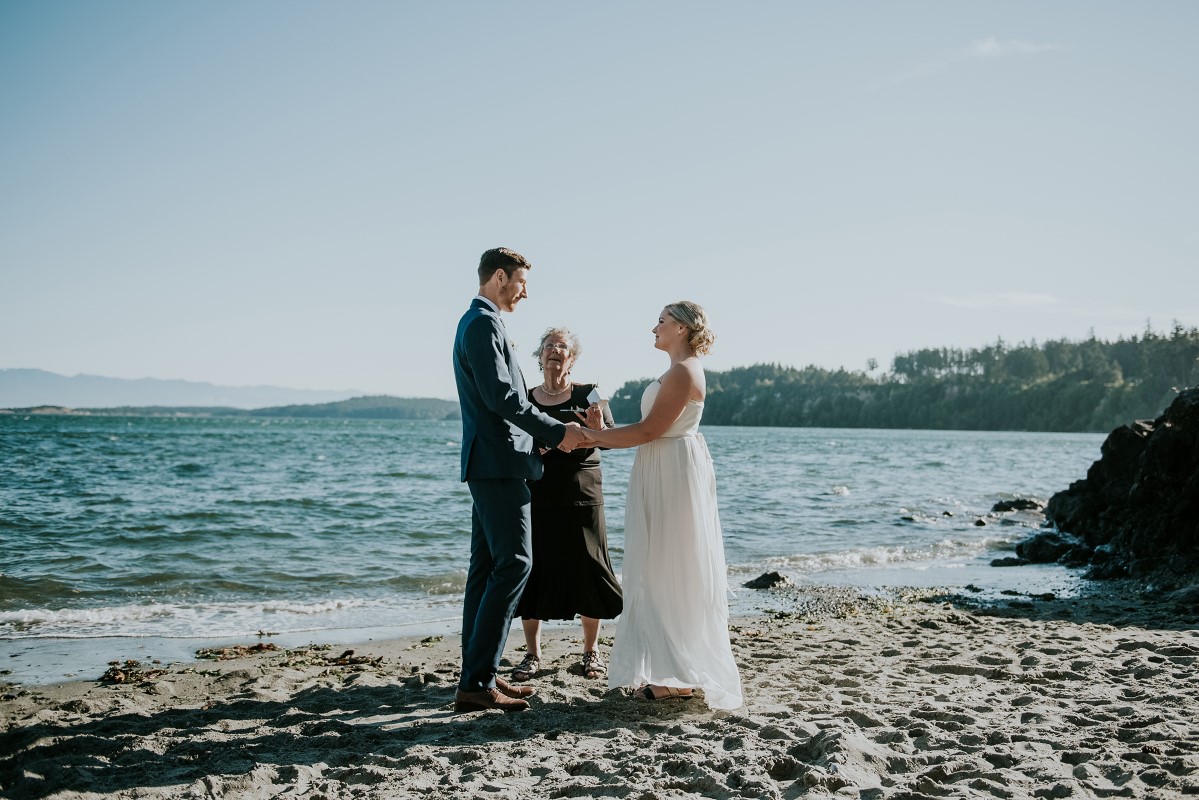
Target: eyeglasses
(556,346)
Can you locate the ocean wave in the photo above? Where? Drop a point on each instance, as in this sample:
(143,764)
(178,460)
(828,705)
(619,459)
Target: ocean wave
(23,619)
(170,620)
(274,502)
(201,516)
(896,555)
(28,589)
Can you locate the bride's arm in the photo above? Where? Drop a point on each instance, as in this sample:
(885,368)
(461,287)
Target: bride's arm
(678,384)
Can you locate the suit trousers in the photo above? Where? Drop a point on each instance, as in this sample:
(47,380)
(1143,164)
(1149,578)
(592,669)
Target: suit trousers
(501,557)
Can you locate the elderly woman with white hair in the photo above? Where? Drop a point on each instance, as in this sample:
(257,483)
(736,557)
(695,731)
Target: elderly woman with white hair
(572,572)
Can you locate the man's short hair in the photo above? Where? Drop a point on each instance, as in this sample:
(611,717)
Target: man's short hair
(500,258)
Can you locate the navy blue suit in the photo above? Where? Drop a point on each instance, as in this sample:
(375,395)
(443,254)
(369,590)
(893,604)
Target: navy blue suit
(500,433)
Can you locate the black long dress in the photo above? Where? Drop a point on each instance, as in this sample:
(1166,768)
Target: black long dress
(572,572)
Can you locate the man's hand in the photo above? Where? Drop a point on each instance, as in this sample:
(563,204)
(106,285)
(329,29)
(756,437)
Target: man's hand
(575,436)
(589,439)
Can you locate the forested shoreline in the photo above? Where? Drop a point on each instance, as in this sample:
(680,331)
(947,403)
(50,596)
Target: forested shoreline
(1090,385)
(1060,385)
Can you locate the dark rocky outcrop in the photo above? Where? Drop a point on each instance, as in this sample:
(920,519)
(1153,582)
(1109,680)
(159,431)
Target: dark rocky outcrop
(1018,504)
(1136,514)
(767,580)
(1046,547)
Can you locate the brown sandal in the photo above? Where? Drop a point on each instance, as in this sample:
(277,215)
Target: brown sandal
(526,669)
(593,665)
(647,693)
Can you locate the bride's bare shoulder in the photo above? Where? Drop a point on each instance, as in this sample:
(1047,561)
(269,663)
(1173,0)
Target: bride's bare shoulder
(701,380)
(691,373)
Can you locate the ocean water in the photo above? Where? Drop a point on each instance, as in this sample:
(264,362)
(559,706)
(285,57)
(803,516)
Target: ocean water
(200,527)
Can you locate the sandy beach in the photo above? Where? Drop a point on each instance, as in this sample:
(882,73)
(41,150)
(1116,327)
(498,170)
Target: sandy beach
(908,694)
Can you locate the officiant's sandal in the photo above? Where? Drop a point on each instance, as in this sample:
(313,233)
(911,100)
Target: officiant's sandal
(526,669)
(593,666)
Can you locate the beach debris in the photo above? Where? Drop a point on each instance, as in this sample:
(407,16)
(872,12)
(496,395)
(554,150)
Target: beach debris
(428,641)
(236,651)
(747,632)
(211,673)
(311,657)
(130,671)
(767,580)
(348,657)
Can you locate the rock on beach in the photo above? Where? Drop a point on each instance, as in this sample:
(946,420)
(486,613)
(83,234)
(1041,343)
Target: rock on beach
(1136,513)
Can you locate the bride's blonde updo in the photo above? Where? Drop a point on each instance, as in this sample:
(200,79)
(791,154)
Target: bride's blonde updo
(694,319)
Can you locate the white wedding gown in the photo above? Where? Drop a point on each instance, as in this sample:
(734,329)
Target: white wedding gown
(674,629)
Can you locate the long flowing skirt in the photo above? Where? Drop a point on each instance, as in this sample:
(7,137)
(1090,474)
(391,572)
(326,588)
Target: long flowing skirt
(674,629)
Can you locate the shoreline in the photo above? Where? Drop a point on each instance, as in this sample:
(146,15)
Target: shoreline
(37,661)
(901,693)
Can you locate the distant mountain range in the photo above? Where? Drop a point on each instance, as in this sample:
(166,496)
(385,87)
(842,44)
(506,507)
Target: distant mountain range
(24,388)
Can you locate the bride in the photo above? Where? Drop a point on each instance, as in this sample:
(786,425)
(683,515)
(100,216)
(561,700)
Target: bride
(673,635)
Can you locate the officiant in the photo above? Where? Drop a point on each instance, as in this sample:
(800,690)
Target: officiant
(572,572)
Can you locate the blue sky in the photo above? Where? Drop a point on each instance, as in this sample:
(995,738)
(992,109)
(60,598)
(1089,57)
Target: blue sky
(297,193)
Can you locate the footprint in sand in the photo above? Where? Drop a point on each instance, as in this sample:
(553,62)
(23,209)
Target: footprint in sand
(994,661)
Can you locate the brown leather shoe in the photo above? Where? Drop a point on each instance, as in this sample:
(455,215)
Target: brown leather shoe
(513,691)
(486,699)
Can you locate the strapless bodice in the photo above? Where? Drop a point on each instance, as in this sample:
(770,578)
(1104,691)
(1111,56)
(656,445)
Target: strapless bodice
(688,422)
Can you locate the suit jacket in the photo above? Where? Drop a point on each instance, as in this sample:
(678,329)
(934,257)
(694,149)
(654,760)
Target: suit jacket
(499,424)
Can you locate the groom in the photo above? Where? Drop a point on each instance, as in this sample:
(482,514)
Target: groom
(499,426)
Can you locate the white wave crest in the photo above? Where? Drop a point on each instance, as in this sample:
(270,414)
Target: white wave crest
(169,620)
(866,557)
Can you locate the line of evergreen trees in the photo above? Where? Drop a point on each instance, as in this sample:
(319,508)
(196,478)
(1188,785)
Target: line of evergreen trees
(1061,385)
